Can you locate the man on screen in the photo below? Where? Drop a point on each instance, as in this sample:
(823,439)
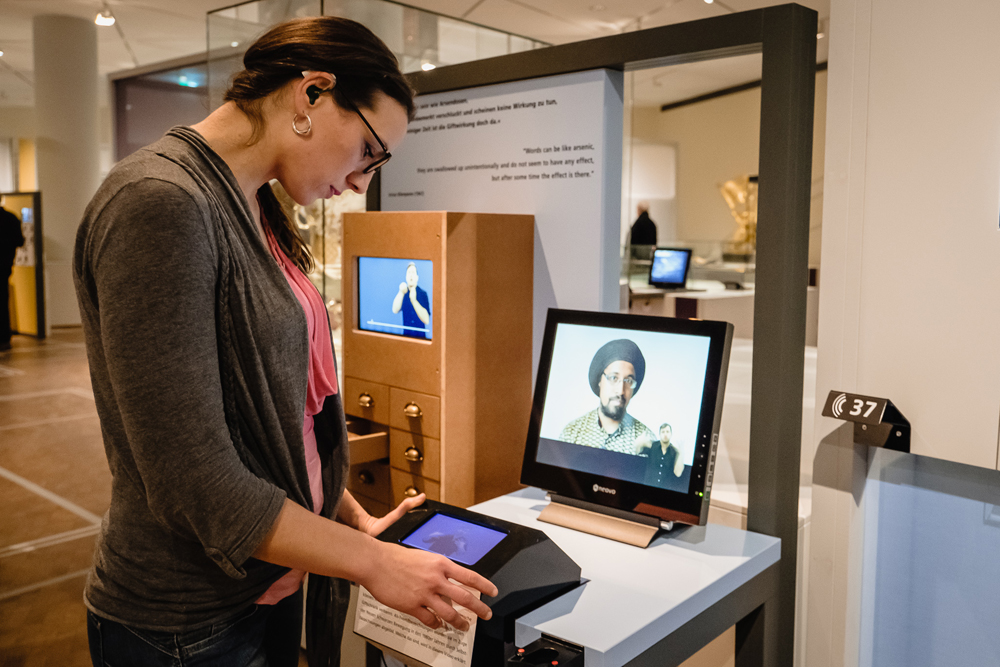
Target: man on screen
(664,459)
(616,373)
(414,303)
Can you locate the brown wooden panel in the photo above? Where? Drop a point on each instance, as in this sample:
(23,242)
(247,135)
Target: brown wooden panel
(502,379)
(429,448)
(385,358)
(401,481)
(369,479)
(355,388)
(429,421)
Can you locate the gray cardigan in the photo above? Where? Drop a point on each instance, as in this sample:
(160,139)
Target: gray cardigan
(198,356)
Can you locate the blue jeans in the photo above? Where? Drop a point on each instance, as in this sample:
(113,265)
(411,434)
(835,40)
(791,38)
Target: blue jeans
(261,636)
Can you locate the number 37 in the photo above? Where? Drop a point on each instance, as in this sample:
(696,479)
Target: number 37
(858,405)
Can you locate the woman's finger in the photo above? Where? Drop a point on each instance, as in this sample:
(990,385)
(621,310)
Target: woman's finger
(441,606)
(427,617)
(471,579)
(463,597)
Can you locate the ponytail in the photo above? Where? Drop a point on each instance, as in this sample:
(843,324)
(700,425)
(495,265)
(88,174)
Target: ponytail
(283,230)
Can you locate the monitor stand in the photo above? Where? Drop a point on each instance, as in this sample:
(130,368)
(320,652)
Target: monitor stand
(614,524)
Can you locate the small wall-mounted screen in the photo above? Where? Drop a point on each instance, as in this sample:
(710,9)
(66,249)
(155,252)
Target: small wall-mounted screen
(624,404)
(459,540)
(670,267)
(395,296)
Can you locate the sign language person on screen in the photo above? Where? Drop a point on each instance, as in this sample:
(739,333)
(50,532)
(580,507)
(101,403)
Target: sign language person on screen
(413,301)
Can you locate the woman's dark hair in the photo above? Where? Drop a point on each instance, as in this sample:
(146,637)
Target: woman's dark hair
(363,65)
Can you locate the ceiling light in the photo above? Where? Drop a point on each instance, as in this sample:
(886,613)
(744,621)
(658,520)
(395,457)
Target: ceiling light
(708,2)
(104,18)
(427,67)
(1,54)
(820,35)
(234,44)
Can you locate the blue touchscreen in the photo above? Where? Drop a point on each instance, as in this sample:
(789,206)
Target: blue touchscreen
(461,541)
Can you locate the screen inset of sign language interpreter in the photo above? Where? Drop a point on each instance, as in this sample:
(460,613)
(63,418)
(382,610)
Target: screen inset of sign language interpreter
(394,296)
(624,404)
(462,541)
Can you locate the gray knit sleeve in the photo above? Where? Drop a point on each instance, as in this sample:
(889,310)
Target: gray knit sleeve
(153,272)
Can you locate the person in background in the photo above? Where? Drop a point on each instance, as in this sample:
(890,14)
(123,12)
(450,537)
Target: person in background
(214,377)
(643,229)
(11,238)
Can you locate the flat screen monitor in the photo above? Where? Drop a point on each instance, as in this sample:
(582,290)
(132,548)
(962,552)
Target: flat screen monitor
(460,540)
(395,296)
(670,268)
(626,412)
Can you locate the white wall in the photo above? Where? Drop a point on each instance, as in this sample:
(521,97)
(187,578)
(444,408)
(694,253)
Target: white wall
(718,140)
(911,269)
(909,285)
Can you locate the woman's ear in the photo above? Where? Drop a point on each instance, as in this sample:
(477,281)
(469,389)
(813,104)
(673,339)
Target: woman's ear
(323,82)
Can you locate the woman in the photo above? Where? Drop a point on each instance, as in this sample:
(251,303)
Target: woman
(214,376)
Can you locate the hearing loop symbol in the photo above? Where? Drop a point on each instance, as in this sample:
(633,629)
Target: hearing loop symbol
(295,125)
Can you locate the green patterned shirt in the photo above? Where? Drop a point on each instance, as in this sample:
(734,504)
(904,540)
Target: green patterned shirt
(587,431)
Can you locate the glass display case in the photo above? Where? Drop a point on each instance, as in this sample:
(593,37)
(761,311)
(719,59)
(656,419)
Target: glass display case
(726,262)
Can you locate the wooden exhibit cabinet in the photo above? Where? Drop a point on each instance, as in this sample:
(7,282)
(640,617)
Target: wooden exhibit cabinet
(455,407)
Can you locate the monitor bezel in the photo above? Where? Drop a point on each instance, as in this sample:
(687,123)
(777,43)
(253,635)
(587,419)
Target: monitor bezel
(687,269)
(690,507)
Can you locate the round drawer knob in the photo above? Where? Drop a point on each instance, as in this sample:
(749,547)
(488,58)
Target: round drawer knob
(413,410)
(411,491)
(366,401)
(413,455)
(365,477)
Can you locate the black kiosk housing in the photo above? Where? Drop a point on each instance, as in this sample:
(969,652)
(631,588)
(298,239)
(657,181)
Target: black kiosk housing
(526,566)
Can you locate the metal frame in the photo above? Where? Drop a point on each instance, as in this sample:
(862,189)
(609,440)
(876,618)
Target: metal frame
(786,37)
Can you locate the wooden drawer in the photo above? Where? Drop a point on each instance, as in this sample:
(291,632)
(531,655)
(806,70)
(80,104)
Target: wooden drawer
(401,481)
(403,442)
(424,408)
(376,395)
(369,479)
(366,447)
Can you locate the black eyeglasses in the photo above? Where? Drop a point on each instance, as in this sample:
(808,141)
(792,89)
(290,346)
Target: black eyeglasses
(387,155)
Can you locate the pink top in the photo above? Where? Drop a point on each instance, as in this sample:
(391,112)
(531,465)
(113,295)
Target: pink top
(322,383)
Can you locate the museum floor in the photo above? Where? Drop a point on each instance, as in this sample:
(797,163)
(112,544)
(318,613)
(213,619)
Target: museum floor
(54,488)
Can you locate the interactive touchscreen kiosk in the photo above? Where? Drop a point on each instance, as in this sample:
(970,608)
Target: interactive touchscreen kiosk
(669,269)
(626,415)
(526,566)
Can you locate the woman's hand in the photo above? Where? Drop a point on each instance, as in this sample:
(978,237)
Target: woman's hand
(372,526)
(421,584)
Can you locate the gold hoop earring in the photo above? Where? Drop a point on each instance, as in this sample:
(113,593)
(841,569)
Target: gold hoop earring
(295,125)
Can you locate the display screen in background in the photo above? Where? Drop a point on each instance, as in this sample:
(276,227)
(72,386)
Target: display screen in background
(459,540)
(384,307)
(669,266)
(671,392)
